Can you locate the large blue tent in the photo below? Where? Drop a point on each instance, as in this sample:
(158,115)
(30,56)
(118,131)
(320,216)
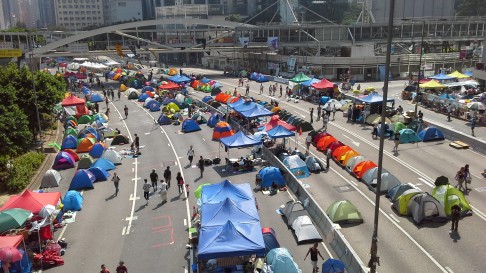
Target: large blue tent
(218,192)
(236,103)
(230,240)
(97,150)
(261,78)
(374,98)
(217,214)
(268,175)
(190,125)
(72,201)
(104,164)
(280,132)
(96,98)
(143,97)
(256,111)
(296,166)
(441,77)
(83,179)
(99,173)
(207,99)
(431,134)
(214,119)
(243,106)
(239,140)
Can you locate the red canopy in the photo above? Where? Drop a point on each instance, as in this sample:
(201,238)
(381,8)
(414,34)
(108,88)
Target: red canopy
(275,121)
(72,101)
(323,84)
(170,85)
(32,201)
(10,241)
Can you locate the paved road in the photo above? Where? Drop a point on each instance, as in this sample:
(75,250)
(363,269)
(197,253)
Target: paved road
(416,164)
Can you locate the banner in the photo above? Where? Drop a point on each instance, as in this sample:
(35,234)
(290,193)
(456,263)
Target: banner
(10,53)
(291,63)
(272,43)
(244,41)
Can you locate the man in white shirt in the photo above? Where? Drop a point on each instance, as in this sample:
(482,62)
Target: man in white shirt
(308,141)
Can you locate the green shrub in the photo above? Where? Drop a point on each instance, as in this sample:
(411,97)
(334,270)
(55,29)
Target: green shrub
(23,169)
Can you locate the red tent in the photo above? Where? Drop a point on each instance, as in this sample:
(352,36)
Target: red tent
(72,101)
(32,201)
(275,121)
(323,84)
(10,241)
(169,85)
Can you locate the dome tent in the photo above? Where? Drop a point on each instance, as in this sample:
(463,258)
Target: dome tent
(268,175)
(69,142)
(190,125)
(222,129)
(280,260)
(112,156)
(214,119)
(85,162)
(164,120)
(431,134)
(72,201)
(51,179)
(99,173)
(83,179)
(104,164)
(120,140)
(297,166)
(63,161)
(344,212)
(97,150)
(424,206)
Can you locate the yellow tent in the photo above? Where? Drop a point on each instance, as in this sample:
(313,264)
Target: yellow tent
(172,107)
(432,84)
(458,75)
(123,87)
(173,72)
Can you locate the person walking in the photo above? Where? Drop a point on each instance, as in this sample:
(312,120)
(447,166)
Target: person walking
(121,268)
(201,165)
(180,182)
(473,125)
(125,109)
(261,88)
(112,95)
(311,115)
(270,90)
(188,189)
(319,112)
(119,94)
(167,176)
(190,155)
(467,176)
(455,216)
(247,91)
(449,112)
(460,176)
(328,159)
(107,101)
(97,107)
(281,90)
(308,141)
(163,191)
(314,253)
(137,143)
(146,190)
(396,141)
(116,182)
(154,177)
(325,120)
(328,109)
(333,111)
(103,269)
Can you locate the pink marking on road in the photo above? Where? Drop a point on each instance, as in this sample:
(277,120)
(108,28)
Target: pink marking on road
(168,221)
(171,230)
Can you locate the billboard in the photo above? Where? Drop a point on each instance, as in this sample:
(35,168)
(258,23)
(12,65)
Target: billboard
(10,53)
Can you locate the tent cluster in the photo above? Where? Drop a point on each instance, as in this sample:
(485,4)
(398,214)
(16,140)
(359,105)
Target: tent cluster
(297,122)
(258,77)
(208,86)
(297,218)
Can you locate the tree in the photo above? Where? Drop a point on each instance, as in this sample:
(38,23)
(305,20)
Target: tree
(351,14)
(233,18)
(50,90)
(14,121)
(472,8)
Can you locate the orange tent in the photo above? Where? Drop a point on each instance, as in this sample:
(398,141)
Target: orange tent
(325,142)
(222,97)
(116,77)
(85,145)
(336,154)
(346,156)
(222,129)
(173,72)
(362,167)
(319,136)
(195,84)
(72,153)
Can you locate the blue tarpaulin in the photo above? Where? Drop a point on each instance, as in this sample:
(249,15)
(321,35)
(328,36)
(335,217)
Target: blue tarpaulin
(310,82)
(217,214)
(241,107)
(280,132)
(236,103)
(256,111)
(216,193)
(441,76)
(374,98)
(239,140)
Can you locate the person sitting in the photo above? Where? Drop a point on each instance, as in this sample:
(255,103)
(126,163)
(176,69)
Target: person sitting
(274,188)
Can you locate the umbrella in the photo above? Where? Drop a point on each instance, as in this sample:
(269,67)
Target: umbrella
(10,254)
(333,103)
(398,118)
(378,119)
(476,106)
(13,218)
(198,191)
(47,211)
(333,266)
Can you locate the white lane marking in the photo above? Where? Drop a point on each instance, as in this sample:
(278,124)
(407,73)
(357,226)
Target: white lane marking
(185,222)
(352,140)
(394,218)
(131,197)
(131,218)
(147,133)
(136,178)
(168,144)
(449,269)
(124,230)
(133,169)
(204,139)
(425,182)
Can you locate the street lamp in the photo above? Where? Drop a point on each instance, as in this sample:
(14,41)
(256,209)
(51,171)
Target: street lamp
(31,56)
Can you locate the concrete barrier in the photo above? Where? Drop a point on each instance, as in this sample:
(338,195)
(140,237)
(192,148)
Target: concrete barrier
(333,236)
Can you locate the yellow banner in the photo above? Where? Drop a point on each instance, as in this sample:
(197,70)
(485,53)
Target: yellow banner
(10,53)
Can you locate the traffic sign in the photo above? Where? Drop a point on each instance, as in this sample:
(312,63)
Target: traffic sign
(10,53)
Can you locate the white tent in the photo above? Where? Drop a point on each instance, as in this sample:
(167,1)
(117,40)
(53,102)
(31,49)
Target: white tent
(147,100)
(73,66)
(51,179)
(305,230)
(180,98)
(112,156)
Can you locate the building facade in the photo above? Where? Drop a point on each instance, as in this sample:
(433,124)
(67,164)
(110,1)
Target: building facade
(47,14)
(79,14)
(117,11)
(408,9)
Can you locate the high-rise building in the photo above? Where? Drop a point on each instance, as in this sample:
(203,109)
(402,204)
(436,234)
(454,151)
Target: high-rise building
(409,9)
(47,14)
(78,14)
(148,8)
(117,11)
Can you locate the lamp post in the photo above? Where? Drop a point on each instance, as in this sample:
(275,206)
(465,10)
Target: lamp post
(31,56)
(419,77)
(375,259)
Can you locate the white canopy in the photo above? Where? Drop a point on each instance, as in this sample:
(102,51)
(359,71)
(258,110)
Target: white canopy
(94,65)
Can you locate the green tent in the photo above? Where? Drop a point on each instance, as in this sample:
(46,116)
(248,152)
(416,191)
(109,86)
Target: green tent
(13,218)
(71,131)
(71,118)
(344,212)
(89,104)
(397,126)
(198,191)
(86,119)
(401,203)
(188,100)
(301,77)
(449,196)
(85,162)
(133,95)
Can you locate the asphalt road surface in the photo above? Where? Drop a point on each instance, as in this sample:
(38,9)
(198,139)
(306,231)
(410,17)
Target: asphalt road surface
(152,237)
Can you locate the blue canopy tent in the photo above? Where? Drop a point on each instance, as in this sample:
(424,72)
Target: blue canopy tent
(83,179)
(96,98)
(239,140)
(431,134)
(244,106)
(269,175)
(296,166)
(310,82)
(374,98)
(214,119)
(237,103)
(256,111)
(164,120)
(229,240)
(104,164)
(218,192)
(207,99)
(99,173)
(441,77)
(72,201)
(179,79)
(217,214)
(280,132)
(190,125)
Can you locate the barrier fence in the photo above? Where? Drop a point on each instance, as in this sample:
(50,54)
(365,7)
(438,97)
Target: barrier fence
(331,232)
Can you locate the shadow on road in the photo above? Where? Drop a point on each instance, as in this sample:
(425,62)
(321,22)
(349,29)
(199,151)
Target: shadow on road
(141,207)
(111,197)
(455,236)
